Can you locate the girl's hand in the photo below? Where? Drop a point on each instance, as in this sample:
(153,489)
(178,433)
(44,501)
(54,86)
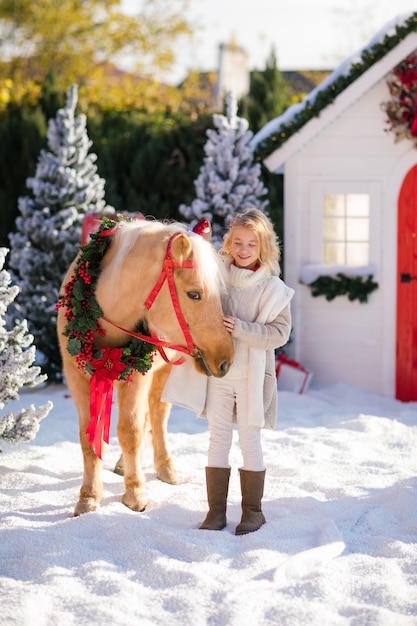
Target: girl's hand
(229,323)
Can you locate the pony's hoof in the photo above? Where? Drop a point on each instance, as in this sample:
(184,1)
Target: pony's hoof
(119,468)
(85,505)
(135,504)
(168,475)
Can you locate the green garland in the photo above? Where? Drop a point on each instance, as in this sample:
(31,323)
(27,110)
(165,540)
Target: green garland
(354,287)
(83,313)
(328,95)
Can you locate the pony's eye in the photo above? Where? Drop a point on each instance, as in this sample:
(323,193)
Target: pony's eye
(194,295)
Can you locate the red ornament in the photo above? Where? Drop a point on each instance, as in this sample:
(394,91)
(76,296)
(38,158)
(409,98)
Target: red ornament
(203,228)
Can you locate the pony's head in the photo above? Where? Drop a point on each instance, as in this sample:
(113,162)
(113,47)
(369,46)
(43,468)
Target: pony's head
(132,271)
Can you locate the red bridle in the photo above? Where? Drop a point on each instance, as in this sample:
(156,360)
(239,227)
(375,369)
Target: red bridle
(167,274)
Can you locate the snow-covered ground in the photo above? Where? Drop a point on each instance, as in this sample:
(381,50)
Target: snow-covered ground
(339,546)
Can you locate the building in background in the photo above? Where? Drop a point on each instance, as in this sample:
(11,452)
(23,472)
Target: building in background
(233,72)
(350,211)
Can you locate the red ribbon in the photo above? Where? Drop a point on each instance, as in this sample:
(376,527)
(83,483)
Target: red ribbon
(101,398)
(283,360)
(286,361)
(107,370)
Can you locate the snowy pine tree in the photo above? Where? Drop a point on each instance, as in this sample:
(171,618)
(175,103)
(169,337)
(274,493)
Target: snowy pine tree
(229,180)
(17,355)
(48,230)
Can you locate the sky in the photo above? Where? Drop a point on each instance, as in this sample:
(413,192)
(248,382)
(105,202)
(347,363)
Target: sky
(339,547)
(306,34)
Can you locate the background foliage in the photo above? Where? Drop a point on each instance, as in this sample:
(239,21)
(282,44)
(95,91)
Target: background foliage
(79,39)
(148,158)
(149,137)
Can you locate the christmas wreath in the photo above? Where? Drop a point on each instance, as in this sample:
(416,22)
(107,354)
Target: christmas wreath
(82,313)
(402,108)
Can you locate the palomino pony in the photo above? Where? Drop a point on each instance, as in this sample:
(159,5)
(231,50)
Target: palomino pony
(136,277)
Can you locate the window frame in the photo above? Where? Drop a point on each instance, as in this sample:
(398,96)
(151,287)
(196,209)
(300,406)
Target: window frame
(319,189)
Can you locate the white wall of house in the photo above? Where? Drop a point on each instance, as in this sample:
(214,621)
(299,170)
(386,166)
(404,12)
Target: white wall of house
(343,340)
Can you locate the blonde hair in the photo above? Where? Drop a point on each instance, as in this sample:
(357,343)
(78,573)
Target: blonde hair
(264,231)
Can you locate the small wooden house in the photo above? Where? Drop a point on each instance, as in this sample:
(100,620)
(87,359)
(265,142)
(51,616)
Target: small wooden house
(349,158)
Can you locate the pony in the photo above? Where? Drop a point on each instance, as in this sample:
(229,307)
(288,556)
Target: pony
(158,278)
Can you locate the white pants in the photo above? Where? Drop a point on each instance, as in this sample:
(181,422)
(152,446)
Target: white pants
(223,395)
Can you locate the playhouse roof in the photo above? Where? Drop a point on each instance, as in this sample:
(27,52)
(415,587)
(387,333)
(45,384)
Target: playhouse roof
(284,135)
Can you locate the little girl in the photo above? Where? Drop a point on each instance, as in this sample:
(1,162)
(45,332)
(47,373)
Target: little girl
(257,314)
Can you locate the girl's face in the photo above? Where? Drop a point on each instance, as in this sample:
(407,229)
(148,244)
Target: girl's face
(245,247)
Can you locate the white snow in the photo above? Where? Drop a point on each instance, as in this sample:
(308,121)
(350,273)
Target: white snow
(311,272)
(339,546)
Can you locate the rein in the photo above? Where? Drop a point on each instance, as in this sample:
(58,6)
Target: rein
(167,274)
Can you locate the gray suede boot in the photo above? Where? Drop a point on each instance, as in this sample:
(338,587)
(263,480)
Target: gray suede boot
(252,487)
(217,482)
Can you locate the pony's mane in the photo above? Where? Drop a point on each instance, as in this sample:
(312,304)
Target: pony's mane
(209,266)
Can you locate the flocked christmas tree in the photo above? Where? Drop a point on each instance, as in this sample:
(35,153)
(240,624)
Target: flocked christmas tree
(17,355)
(229,180)
(48,230)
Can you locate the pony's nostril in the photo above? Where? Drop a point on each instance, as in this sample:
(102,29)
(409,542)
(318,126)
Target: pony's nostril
(224,367)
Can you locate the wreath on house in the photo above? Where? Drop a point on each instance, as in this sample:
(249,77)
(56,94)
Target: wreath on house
(401,110)
(354,287)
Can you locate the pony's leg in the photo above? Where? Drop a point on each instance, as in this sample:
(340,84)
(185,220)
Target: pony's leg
(158,414)
(119,468)
(133,402)
(92,487)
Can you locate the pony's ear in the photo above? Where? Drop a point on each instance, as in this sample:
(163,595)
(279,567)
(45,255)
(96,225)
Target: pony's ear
(181,249)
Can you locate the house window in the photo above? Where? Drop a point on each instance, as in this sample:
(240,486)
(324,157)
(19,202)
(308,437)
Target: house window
(346,229)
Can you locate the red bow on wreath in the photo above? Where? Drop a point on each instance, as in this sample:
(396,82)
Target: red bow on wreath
(107,370)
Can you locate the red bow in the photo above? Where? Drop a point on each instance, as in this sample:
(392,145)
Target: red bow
(283,360)
(107,370)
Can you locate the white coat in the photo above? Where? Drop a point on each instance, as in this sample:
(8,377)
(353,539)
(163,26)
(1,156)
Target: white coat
(259,302)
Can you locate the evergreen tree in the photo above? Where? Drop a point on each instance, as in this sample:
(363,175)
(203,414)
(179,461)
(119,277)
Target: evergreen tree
(269,95)
(229,180)
(17,355)
(149,164)
(22,135)
(48,230)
